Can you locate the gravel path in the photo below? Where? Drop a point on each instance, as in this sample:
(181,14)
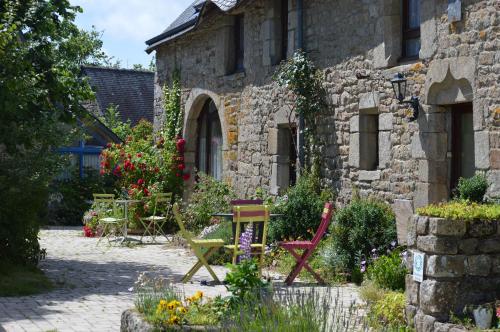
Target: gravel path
(93,283)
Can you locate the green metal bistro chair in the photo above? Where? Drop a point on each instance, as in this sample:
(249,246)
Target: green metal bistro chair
(105,205)
(153,225)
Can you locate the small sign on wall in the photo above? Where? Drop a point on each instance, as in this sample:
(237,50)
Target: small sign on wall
(454,10)
(418,266)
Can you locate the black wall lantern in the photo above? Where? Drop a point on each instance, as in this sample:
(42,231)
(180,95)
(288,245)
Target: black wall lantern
(399,87)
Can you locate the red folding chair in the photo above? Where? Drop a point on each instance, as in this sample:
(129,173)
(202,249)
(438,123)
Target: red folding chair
(308,247)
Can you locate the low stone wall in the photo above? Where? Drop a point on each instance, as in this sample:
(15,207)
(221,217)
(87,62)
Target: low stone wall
(462,266)
(132,321)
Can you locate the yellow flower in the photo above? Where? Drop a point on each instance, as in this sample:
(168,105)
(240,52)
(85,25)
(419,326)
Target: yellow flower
(173,304)
(162,306)
(198,295)
(182,310)
(174,320)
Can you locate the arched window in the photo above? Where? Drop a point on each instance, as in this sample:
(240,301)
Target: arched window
(209,149)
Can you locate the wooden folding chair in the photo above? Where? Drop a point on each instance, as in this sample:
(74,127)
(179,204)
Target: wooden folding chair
(212,245)
(245,202)
(105,204)
(158,219)
(308,247)
(253,214)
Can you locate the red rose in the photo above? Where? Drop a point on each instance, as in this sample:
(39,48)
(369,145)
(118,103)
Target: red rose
(186,177)
(101,172)
(181,142)
(108,145)
(139,155)
(146,191)
(178,174)
(140,182)
(117,171)
(181,166)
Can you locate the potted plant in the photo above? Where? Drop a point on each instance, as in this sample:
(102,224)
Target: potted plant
(483,315)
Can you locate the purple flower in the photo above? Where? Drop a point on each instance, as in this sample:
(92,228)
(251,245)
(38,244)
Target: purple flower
(246,242)
(363,267)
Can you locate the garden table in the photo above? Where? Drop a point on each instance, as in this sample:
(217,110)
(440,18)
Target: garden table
(126,203)
(229,217)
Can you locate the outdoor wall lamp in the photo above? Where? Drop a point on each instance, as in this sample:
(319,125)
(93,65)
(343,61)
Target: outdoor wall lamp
(399,87)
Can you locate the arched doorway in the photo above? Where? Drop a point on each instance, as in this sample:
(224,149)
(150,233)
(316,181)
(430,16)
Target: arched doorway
(209,141)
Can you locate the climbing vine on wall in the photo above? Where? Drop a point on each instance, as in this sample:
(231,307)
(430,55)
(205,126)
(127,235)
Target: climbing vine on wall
(172,106)
(300,76)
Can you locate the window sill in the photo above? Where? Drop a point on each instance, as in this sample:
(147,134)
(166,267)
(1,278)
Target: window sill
(236,75)
(369,175)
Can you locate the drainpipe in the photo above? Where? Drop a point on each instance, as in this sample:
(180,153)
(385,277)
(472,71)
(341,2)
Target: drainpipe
(299,46)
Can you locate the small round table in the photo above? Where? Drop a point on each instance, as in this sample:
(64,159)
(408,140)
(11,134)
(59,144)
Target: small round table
(126,203)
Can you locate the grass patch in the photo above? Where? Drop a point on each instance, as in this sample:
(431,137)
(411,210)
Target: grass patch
(16,280)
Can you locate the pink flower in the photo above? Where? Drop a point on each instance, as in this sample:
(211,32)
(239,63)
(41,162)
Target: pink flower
(498,312)
(140,182)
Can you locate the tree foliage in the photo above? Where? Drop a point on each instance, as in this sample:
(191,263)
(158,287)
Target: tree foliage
(41,51)
(111,119)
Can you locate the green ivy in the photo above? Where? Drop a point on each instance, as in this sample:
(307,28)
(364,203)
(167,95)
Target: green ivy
(172,106)
(301,77)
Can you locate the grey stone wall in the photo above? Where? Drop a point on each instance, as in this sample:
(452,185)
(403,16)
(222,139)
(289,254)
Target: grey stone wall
(462,266)
(459,62)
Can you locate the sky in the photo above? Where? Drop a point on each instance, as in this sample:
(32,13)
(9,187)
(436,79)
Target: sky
(127,24)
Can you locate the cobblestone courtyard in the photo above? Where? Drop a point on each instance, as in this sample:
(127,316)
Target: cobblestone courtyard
(92,284)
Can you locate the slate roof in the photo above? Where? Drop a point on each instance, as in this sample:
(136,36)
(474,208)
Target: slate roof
(187,21)
(131,90)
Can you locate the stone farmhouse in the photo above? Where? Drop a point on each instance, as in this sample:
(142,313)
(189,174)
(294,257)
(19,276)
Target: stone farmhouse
(235,116)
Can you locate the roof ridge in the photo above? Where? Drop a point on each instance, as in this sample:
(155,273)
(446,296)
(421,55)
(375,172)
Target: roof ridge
(139,71)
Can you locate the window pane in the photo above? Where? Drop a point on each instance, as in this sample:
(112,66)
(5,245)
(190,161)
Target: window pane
(413,14)
(202,147)
(216,149)
(467,145)
(412,47)
(91,161)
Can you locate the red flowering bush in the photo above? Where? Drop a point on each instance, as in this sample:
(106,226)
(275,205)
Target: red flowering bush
(143,167)
(88,232)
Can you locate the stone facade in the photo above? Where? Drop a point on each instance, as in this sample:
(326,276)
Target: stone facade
(357,46)
(462,267)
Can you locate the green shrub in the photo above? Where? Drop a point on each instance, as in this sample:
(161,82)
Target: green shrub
(209,196)
(69,197)
(301,208)
(388,272)
(472,189)
(389,311)
(358,228)
(462,210)
(243,280)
